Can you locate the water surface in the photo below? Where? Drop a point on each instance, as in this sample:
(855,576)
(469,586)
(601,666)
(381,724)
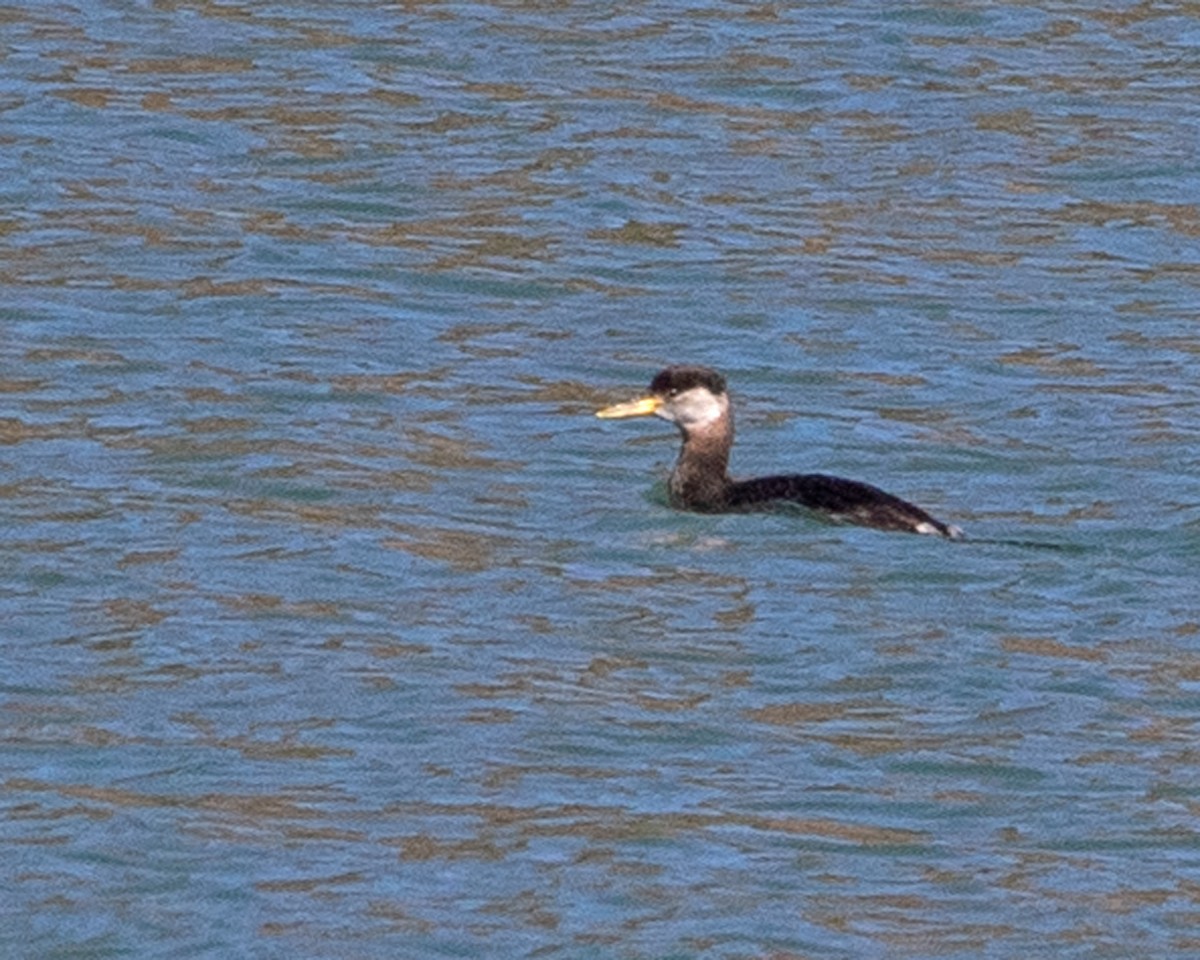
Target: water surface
(335,625)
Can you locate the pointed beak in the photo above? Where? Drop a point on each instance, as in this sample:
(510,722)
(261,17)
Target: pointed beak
(635,408)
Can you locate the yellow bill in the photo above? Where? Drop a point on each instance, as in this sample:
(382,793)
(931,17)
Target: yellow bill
(635,408)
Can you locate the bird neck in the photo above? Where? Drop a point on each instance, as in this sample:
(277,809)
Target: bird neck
(700,479)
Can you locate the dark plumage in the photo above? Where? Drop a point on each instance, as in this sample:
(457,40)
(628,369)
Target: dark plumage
(675,380)
(694,398)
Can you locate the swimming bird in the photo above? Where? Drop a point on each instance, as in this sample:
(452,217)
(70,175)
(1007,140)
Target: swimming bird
(694,398)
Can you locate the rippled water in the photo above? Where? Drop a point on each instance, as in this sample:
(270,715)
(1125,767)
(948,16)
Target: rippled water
(335,625)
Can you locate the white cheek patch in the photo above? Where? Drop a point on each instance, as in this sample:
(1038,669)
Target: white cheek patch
(694,408)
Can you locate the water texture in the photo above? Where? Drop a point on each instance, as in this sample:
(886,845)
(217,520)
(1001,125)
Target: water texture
(334,625)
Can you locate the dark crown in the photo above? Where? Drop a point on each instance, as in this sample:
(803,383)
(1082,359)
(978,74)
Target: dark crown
(678,379)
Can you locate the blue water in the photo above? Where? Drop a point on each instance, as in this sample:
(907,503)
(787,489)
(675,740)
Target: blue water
(335,625)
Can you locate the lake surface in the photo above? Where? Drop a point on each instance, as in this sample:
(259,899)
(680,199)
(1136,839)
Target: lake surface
(335,625)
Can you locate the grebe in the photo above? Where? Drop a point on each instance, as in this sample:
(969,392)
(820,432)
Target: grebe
(695,400)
